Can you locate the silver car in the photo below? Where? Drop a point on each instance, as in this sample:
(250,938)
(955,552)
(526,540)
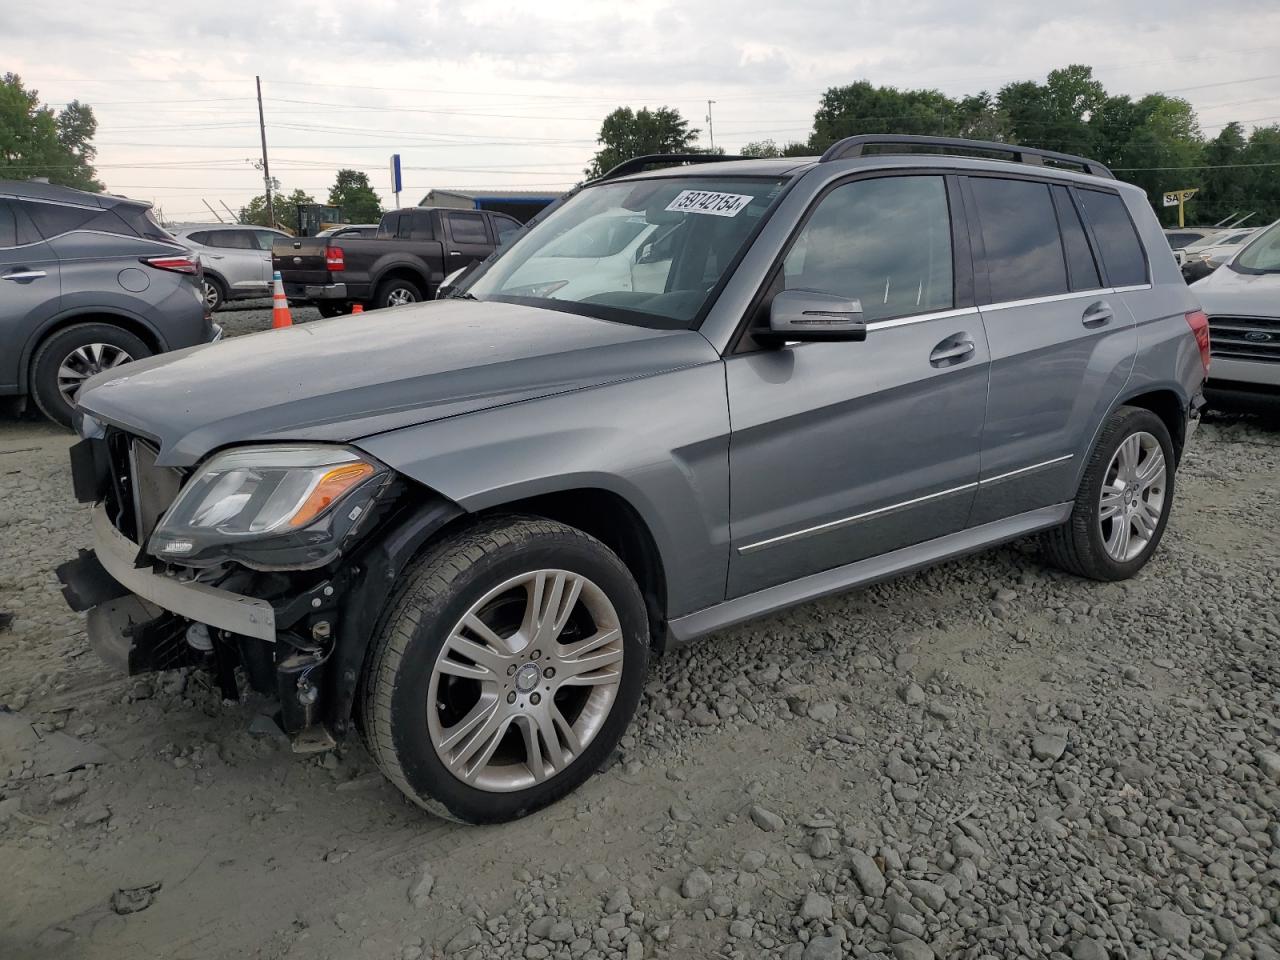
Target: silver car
(236,259)
(1242,299)
(467,525)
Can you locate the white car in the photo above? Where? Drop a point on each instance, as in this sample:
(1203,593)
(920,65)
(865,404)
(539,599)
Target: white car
(604,253)
(236,259)
(1199,259)
(1242,299)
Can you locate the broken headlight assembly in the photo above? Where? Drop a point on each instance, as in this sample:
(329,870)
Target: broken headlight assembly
(269,507)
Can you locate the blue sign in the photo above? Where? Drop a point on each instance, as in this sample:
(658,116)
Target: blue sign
(396,184)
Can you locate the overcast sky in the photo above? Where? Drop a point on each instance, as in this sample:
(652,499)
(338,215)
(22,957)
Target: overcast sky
(511,94)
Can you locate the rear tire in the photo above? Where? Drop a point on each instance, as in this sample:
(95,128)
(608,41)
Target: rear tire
(329,310)
(71,356)
(215,293)
(1124,500)
(397,292)
(460,721)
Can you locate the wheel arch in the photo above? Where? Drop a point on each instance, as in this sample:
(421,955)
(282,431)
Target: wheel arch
(130,323)
(401,270)
(1168,404)
(615,522)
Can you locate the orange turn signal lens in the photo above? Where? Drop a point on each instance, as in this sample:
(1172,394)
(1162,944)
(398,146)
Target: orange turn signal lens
(331,486)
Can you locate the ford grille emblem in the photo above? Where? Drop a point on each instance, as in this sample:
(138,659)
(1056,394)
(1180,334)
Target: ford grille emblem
(1257,336)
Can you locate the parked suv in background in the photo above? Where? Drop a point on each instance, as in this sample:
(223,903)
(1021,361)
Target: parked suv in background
(1242,299)
(87,282)
(469,523)
(236,259)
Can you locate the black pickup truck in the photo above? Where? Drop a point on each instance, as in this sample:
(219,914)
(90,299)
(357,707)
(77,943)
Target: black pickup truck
(414,250)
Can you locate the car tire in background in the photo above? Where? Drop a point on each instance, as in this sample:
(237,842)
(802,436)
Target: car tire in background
(69,357)
(328,309)
(215,293)
(505,670)
(396,292)
(1124,500)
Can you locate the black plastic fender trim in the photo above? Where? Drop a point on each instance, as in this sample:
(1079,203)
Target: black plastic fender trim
(374,573)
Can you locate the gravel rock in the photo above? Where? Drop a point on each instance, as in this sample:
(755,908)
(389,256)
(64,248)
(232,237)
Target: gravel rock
(815,907)
(1049,746)
(765,819)
(420,892)
(1169,924)
(696,884)
(867,873)
(823,948)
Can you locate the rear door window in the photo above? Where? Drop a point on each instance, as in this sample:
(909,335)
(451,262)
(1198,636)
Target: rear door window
(1117,239)
(423,227)
(232,239)
(55,219)
(1024,255)
(1082,270)
(468,228)
(8,225)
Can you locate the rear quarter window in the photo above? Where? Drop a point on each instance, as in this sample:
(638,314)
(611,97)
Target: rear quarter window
(1118,242)
(54,219)
(8,226)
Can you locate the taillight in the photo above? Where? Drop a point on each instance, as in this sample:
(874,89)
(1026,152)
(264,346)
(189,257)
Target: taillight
(178,264)
(1199,324)
(333,258)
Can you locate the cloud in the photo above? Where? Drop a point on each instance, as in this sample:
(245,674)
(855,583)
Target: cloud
(382,75)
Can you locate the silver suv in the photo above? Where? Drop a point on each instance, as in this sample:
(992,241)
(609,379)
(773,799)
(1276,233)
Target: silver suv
(236,259)
(469,524)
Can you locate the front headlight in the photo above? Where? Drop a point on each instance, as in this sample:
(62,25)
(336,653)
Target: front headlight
(267,493)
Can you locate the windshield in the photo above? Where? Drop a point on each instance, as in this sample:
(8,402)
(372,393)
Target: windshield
(649,252)
(1262,255)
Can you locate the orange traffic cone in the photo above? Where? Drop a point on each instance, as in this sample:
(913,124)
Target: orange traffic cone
(357,308)
(280,316)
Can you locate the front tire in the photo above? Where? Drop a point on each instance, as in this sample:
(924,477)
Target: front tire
(71,356)
(506,670)
(1124,500)
(396,292)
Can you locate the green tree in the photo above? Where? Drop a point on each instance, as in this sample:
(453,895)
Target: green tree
(255,211)
(862,107)
(37,141)
(352,192)
(1053,115)
(628,133)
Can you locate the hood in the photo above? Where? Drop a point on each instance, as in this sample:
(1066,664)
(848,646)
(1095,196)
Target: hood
(350,377)
(1226,291)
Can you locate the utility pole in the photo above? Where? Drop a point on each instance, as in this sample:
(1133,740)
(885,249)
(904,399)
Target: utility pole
(711,131)
(266,169)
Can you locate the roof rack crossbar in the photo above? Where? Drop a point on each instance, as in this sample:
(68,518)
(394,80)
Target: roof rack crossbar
(639,164)
(855,147)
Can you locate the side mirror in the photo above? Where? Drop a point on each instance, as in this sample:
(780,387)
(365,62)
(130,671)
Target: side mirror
(806,315)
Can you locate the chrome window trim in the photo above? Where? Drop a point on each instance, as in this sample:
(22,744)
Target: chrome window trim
(856,518)
(892,322)
(1051,298)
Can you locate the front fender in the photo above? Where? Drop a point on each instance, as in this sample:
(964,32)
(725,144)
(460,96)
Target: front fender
(661,443)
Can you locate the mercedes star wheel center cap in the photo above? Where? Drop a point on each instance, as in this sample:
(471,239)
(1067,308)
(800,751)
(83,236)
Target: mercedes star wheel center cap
(527,677)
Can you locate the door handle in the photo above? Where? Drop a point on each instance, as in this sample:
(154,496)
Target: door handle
(951,351)
(1097,314)
(20,275)
(455,253)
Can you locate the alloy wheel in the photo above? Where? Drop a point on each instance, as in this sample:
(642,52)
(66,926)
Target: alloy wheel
(1133,496)
(400,296)
(525,680)
(211,296)
(83,362)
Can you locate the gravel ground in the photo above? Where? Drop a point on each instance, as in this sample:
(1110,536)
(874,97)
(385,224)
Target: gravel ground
(987,759)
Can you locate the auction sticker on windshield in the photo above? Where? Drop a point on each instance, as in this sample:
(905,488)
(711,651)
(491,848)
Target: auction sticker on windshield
(707,201)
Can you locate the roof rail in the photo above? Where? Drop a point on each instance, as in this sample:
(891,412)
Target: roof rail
(854,147)
(638,164)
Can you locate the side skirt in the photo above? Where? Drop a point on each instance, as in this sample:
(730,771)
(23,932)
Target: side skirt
(864,572)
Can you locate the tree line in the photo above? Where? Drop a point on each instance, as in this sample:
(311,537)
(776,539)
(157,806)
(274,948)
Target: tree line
(1154,141)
